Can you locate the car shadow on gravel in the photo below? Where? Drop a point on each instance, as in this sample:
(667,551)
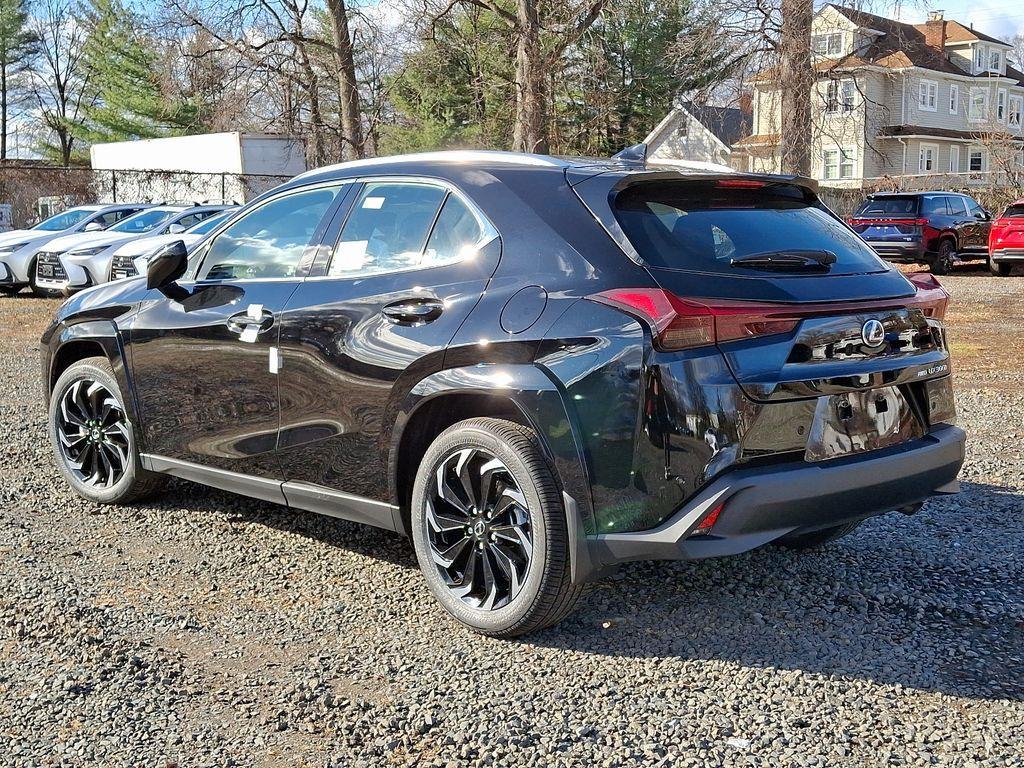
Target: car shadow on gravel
(933,602)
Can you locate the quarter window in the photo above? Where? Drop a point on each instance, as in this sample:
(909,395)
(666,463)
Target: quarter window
(387,229)
(455,237)
(271,240)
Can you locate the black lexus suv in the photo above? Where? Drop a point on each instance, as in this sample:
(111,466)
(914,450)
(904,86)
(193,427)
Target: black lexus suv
(535,368)
(934,228)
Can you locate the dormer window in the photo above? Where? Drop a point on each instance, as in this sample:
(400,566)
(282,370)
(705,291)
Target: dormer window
(830,44)
(995,59)
(979,58)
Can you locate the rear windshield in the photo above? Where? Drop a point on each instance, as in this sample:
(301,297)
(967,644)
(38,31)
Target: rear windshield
(704,226)
(888,206)
(1012,211)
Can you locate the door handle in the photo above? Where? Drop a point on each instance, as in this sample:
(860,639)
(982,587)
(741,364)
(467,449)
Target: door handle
(413,311)
(244,320)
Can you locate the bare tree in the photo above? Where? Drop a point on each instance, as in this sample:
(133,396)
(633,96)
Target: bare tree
(60,86)
(796,79)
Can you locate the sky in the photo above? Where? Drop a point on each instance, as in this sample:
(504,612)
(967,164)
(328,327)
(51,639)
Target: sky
(1001,19)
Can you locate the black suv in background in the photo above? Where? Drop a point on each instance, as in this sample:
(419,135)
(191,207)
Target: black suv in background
(535,368)
(933,228)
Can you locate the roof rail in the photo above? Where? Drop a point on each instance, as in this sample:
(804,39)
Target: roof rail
(634,155)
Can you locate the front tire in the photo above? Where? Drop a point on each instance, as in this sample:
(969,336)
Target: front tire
(489,529)
(92,439)
(942,263)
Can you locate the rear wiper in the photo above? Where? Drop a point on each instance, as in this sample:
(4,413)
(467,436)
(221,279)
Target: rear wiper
(796,261)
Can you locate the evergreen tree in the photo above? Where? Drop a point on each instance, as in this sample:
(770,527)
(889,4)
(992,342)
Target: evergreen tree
(122,67)
(17,47)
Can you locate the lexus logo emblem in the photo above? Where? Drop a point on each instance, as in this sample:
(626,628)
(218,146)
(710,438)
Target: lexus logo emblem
(872,333)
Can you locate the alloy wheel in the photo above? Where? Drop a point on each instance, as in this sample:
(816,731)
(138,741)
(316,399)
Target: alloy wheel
(478,528)
(92,432)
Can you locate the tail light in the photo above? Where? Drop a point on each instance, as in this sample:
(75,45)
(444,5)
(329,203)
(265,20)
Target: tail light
(931,297)
(687,323)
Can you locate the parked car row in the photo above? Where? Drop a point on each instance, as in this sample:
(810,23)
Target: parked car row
(940,229)
(79,247)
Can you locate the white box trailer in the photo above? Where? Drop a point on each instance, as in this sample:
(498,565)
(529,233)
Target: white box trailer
(203,168)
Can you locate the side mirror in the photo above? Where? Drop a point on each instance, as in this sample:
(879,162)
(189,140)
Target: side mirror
(175,229)
(93,226)
(168,265)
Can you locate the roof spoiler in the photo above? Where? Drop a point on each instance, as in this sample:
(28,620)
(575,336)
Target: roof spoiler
(635,155)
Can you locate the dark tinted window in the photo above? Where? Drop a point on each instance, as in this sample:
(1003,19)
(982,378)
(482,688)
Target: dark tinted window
(888,206)
(697,226)
(956,205)
(934,205)
(271,240)
(387,229)
(1012,211)
(456,234)
(973,208)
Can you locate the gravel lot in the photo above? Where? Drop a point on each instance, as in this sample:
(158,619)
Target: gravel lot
(207,629)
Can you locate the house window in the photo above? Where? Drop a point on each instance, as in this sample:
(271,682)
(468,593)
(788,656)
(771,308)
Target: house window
(839,163)
(979,58)
(977,109)
(830,44)
(975,159)
(1001,105)
(847,157)
(928,95)
(994,60)
(954,99)
(830,159)
(839,96)
(928,157)
(1016,107)
(954,159)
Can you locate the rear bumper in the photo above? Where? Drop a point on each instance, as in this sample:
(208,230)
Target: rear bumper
(762,504)
(900,251)
(1008,254)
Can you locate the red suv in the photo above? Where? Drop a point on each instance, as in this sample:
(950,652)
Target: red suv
(1006,240)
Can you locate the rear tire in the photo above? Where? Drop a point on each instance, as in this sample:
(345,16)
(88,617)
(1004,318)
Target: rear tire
(92,439)
(10,290)
(945,258)
(813,539)
(997,269)
(489,529)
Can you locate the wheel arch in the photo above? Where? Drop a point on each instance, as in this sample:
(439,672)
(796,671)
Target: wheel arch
(92,338)
(523,393)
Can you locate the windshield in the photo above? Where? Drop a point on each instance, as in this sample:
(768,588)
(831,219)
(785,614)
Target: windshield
(143,222)
(888,206)
(63,220)
(706,226)
(207,226)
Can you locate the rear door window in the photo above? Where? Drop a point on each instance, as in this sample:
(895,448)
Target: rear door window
(956,205)
(1014,211)
(703,227)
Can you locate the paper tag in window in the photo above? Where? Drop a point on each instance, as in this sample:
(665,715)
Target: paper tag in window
(349,257)
(373,202)
(254,312)
(250,333)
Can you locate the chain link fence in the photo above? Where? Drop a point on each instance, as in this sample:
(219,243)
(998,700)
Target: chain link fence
(35,191)
(991,192)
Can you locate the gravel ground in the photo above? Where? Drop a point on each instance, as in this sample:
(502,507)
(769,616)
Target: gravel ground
(208,629)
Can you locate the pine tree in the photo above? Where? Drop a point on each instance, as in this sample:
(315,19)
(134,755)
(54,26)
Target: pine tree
(17,47)
(122,66)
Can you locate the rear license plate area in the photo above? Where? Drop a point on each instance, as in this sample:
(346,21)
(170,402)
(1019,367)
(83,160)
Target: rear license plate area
(856,422)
